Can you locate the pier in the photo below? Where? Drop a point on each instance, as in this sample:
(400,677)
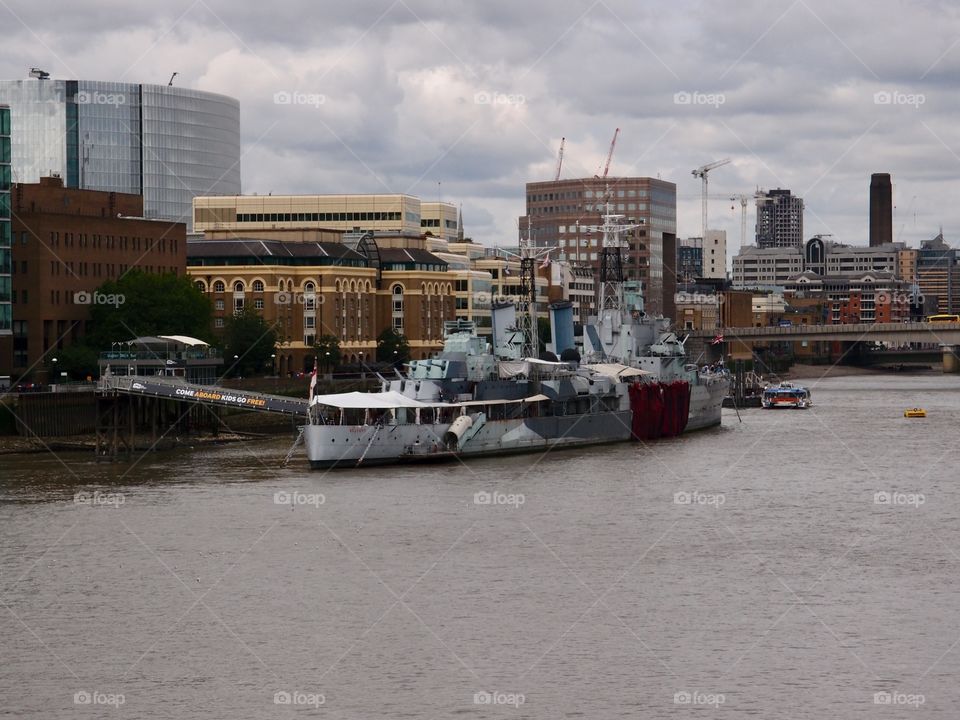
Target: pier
(128,404)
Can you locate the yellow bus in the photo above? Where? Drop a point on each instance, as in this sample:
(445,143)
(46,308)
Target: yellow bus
(943,318)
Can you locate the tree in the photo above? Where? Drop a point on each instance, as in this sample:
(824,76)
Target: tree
(327,348)
(78,360)
(392,347)
(140,303)
(251,339)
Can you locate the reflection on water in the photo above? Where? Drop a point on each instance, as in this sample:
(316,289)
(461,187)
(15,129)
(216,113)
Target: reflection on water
(794,564)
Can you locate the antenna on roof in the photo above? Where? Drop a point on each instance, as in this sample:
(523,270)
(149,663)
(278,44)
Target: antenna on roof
(169,84)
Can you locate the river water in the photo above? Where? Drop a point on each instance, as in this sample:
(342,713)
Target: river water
(795,564)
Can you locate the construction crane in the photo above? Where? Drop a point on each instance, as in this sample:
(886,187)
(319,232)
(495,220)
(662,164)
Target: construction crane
(743,200)
(613,144)
(556,175)
(701,172)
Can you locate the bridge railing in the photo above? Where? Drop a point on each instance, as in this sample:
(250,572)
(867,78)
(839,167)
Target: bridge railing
(821,329)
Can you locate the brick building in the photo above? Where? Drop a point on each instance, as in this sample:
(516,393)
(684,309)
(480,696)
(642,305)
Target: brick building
(65,244)
(308,289)
(558,212)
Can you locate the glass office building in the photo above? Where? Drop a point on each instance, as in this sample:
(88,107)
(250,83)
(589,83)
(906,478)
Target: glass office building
(6,316)
(166,143)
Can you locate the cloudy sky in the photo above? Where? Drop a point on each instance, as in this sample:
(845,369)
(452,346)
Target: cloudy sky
(468,100)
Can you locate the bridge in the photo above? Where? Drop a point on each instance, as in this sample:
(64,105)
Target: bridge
(906,332)
(946,335)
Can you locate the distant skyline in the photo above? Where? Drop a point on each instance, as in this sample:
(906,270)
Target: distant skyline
(468,101)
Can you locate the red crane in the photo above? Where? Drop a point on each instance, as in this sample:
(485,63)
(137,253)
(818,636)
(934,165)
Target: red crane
(613,144)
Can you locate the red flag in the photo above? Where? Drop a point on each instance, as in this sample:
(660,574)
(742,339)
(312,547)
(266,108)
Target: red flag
(718,339)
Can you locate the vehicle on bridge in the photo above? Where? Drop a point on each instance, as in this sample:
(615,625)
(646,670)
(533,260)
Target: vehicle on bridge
(786,395)
(943,318)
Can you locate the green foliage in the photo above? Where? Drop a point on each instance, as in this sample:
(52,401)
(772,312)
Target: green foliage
(392,347)
(327,348)
(147,304)
(79,361)
(248,336)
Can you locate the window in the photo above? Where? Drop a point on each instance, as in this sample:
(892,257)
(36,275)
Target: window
(201,286)
(238,305)
(309,322)
(218,286)
(218,322)
(258,285)
(258,304)
(238,286)
(219,304)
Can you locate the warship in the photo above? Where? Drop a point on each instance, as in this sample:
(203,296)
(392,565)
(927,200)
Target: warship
(629,380)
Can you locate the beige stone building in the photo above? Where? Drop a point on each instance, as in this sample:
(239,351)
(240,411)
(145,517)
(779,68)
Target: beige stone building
(253,215)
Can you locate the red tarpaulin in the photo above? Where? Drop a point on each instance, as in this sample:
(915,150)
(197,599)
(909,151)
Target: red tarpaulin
(659,410)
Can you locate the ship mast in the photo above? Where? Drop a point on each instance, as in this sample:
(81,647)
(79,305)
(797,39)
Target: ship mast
(610,287)
(530,255)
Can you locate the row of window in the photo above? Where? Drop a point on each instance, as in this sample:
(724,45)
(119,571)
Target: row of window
(577,194)
(109,242)
(310,287)
(320,217)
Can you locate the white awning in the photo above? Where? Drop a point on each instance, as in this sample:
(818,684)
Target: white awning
(376,401)
(616,370)
(391,400)
(185,339)
(468,403)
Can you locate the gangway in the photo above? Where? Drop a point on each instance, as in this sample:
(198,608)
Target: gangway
(175,389)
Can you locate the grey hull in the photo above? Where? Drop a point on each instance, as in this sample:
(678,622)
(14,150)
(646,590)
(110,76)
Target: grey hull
(345,446)
(331,446)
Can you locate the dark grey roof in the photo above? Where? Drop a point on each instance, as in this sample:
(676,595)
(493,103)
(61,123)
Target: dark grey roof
(254,247)
(408,255)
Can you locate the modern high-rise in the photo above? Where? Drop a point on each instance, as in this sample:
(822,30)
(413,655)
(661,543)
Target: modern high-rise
(689,259)
(881,209)
(167,144)
(779,219)
(559,213)
(938,274)
(6,316)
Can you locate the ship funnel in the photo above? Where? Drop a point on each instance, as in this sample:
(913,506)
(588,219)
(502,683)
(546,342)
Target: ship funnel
(561,327)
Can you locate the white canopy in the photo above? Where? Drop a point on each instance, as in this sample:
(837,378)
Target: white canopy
(185,339)
(616,370)
(391,400)
(379,401)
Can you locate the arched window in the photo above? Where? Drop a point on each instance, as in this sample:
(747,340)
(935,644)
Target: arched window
(258,285)
(219,286)
(238,286)
(201,286)
(397,314)
(310,288)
